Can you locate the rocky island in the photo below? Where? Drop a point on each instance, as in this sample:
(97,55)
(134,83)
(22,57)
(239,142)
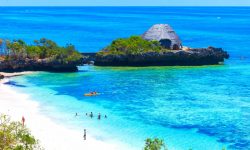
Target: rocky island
(43,55)
(159,46)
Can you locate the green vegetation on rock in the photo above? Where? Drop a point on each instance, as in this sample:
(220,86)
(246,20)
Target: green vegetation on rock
(15,136)
(41,49)
(132,45)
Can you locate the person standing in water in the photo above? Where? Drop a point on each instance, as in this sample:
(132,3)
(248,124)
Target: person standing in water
(91,115)
(99,116)
(84,135)
(23,120)
(76,114)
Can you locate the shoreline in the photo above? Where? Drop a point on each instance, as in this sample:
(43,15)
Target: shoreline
(52,136)
(13,74)
(52,132)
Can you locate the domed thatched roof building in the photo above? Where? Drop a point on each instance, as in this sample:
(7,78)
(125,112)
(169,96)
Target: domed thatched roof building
(165,35)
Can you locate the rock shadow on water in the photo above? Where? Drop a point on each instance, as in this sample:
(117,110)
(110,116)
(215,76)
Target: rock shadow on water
(233,142)
(241,145)
(13,83)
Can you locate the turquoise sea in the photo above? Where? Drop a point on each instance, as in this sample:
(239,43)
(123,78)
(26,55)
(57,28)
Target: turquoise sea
(203,108)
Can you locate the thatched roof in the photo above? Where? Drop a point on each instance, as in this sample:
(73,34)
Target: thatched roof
(161,32)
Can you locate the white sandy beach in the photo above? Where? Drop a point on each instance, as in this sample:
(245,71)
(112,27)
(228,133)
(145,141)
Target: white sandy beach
(51,135)
(16,73)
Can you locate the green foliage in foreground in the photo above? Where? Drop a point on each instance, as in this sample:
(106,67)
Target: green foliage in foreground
(154,144)
(157,144)
(41,49)
(13,136)
(132,45)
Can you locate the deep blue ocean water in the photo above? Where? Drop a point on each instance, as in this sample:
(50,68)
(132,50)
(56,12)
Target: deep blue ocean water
(204,107)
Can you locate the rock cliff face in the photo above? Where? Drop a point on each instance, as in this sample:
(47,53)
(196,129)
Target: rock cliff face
(193,57)
(1,76)
(37,65)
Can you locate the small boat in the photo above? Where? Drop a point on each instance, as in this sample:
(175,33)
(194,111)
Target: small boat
(88,94)
(91,94)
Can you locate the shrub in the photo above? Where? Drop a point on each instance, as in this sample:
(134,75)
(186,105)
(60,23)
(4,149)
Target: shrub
(41,49)
(157,144)
(154,144)
(15,136)
(131,45)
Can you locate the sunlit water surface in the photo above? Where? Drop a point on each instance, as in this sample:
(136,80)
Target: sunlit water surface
(204,108)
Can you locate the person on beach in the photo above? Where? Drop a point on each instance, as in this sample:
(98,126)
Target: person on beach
(84,135)
(91,115)
(23,120)
(99,116)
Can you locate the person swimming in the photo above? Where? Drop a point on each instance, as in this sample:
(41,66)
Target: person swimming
(105,116)
(99,116)
(91,115)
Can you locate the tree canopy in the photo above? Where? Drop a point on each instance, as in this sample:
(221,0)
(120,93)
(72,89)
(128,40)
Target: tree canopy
(131,45)
(157,144)
(154,144)
(41,49)
(15,136)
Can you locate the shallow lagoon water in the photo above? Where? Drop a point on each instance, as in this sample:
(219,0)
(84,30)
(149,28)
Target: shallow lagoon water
(186,106)
(204,107)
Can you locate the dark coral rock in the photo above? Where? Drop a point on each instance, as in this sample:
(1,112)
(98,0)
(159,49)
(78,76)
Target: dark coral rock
(193,57)
(1,76)
(38,65)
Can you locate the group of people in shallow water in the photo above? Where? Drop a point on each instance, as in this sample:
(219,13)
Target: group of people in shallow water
(91,115)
